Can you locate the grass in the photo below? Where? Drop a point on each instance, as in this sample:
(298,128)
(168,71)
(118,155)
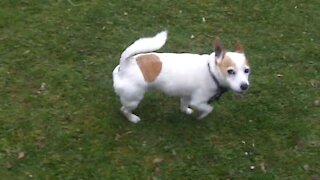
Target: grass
(71,128)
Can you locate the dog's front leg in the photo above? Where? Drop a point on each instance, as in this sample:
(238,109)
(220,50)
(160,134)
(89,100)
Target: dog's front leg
(202,107)
(184,105)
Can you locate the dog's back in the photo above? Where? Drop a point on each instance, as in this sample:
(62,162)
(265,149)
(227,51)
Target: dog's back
(189,72)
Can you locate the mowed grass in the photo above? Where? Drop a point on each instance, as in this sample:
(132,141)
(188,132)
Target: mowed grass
(59,115)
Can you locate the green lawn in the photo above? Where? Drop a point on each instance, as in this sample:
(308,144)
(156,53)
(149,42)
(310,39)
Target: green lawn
(59,115)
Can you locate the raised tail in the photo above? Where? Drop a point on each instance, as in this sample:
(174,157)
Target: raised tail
(144,45)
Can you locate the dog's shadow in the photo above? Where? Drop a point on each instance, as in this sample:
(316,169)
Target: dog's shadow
(159,107)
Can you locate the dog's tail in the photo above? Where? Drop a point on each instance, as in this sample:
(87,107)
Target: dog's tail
(144,45)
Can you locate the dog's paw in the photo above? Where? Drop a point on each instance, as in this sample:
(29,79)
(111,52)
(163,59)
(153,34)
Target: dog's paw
(188,111)
(134,119)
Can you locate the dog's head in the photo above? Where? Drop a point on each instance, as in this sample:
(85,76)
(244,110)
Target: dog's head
(233,66)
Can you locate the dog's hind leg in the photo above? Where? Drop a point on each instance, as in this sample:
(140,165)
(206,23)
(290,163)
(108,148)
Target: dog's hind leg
(130,97)
(129,104)
(129,115)
(127,108)
(184,105)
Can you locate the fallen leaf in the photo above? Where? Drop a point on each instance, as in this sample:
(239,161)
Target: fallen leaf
(26,52)
(253,145)
(300,145)
(21,155)
(316,102)
(41,145)
(8,165)
(157,160)
(157,170)
(29,174)
(263,167)
(117,138)
(43,86)
(314,83)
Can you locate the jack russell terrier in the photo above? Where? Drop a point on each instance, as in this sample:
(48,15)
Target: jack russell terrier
(196,79)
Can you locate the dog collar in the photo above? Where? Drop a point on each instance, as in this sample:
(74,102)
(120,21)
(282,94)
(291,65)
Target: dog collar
(221,89)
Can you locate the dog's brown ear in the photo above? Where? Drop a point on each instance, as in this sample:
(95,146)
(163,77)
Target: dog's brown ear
(239,47)
(218,51)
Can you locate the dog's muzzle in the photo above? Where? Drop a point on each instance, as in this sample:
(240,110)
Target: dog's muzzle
(244,86)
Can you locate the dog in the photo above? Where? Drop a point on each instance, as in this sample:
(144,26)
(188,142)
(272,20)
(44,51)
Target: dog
(195,78)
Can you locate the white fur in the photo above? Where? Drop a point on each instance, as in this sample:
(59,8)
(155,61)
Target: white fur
(184,75)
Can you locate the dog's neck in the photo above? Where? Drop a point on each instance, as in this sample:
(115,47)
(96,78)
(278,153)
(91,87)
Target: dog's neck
(215,72)
(216,77)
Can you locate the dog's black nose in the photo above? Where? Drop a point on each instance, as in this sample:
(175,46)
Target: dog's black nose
(244,86)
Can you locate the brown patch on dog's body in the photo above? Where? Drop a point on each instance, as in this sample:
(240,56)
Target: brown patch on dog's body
(150,66)
(226,64)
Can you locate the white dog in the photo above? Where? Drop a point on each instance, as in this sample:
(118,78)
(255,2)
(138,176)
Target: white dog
(195,78)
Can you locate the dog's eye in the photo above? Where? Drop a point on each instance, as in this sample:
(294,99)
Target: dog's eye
(231,72)
(246,71)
